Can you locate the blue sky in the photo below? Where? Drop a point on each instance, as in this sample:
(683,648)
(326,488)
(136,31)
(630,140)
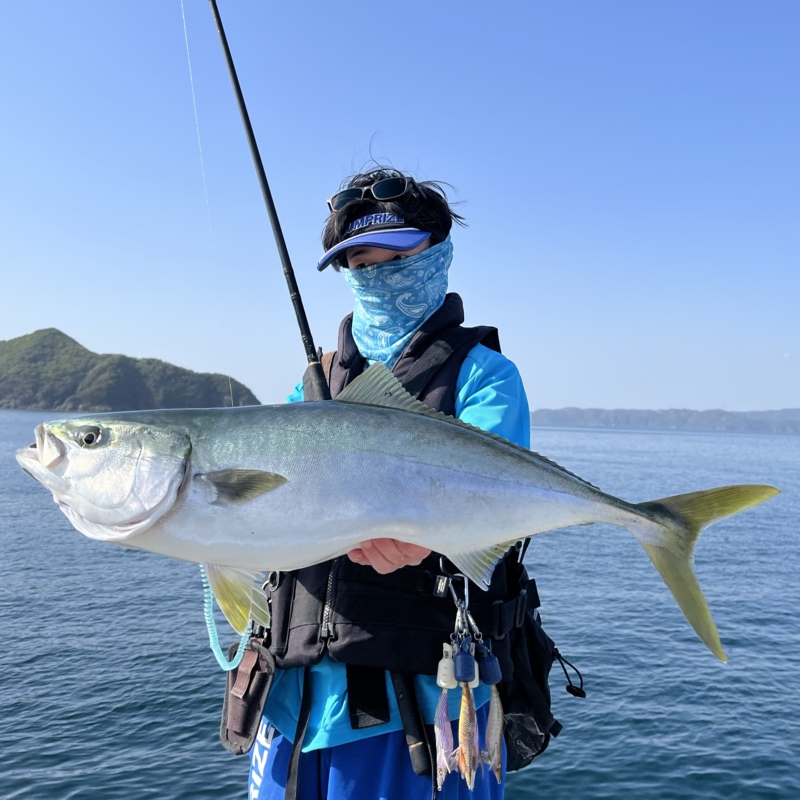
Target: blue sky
(629,171)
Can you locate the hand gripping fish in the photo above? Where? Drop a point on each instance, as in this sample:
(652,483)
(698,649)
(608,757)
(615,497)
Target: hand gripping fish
(281,487)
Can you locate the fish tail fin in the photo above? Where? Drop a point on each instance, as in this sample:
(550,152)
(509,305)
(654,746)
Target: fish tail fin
(682,518)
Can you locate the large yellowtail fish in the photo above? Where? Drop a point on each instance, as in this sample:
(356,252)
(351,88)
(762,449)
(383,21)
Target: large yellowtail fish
(281,487)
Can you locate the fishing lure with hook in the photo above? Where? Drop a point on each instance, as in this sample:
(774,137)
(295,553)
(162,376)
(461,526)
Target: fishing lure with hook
(445,749)
(468,753)
(459,667)
(490,674)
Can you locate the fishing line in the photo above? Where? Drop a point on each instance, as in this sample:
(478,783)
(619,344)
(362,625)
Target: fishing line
(199,141)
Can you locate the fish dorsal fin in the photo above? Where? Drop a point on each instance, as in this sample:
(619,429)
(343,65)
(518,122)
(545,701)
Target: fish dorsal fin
(376,386)
(239,594)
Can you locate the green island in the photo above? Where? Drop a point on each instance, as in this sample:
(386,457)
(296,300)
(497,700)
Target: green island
(50,371)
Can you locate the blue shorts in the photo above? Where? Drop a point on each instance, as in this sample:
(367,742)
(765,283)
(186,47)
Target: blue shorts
(378,768)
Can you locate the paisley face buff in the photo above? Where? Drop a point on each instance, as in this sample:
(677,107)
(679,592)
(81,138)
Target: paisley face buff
(394,298)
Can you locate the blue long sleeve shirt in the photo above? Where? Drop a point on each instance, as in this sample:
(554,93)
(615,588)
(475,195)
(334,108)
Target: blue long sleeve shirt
(490,396)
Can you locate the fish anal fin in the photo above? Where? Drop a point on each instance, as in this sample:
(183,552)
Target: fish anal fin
(239,595)
(240,485)
(478,565)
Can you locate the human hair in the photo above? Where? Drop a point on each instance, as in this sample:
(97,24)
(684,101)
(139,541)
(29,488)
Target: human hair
(424,206)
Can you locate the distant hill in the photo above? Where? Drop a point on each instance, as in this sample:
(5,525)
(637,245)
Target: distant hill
(785,421)
(48,370)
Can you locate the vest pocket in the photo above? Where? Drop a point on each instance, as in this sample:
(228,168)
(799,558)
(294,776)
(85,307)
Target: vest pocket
(280,602)
(297,605)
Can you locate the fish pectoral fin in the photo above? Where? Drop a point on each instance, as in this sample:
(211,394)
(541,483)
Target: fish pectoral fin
(239,485)
(478,565)
(239,595)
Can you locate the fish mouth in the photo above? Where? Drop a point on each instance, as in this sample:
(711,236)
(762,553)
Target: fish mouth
(52,450)
(49,449)
(41,458)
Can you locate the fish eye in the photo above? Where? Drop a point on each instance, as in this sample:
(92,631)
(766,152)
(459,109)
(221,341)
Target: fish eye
(89,436)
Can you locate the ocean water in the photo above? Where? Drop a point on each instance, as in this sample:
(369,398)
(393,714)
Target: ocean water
(108,689)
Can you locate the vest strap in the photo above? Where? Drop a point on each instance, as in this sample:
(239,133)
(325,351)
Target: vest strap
(302,726)
(431,361)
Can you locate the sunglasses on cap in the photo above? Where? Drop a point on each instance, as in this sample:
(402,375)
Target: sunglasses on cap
(385,189)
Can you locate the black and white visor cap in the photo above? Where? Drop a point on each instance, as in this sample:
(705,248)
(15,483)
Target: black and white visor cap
(388,231)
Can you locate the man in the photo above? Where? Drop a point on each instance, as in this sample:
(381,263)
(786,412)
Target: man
(358,639)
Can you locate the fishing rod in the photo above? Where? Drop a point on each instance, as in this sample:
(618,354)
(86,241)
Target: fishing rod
(315,387)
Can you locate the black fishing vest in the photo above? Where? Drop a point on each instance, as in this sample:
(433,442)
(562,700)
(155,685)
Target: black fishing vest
(397,621)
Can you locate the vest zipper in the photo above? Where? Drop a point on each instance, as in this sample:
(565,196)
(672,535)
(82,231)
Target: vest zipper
(326,629)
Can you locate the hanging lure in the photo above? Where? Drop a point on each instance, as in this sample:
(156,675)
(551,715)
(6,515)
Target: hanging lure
(493,755)
(489,668)
(465,672)
(474,661)
(445,750)
(468,753)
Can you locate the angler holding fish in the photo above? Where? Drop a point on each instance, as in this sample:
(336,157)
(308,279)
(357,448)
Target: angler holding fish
(389,235)
(365,510)
(356,638)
